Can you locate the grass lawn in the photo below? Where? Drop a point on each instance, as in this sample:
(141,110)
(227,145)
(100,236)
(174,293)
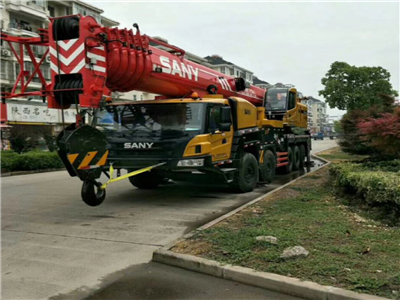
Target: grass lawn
(337,155)
(346,250)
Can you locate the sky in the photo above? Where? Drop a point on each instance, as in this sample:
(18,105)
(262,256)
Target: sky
(288,42)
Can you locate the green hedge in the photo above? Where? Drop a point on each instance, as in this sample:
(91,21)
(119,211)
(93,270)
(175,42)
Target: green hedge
(34,160)
(374,182)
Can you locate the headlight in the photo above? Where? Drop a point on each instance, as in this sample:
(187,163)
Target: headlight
(191,162)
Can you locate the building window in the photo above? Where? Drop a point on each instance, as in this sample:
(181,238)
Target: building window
(4,71)
(223,70)
(237,73)
(51,11)
(38,2)
(141,97)
(134,97)
(232,72)
(242,74)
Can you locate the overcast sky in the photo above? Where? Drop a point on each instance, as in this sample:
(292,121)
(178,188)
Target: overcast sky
(279,41)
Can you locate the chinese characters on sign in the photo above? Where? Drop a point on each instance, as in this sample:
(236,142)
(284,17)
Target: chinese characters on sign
(38,114)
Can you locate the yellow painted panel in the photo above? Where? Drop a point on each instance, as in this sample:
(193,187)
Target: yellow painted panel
(72,157)
(103,159)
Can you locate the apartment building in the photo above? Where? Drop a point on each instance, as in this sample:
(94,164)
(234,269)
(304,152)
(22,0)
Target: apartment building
(317,116)
(23,18)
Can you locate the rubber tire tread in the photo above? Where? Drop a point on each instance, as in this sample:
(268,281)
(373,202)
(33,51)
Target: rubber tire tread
(239,184)
(268,174)
(296,158)
(302,149)
(146,181)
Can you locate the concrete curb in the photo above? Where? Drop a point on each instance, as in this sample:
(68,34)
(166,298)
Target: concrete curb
(270,281)
(16,173)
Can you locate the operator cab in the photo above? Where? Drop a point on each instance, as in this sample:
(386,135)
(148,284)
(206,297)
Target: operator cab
(278,100)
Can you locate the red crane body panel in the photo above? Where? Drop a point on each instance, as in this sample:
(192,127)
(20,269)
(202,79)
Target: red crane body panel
(121,60)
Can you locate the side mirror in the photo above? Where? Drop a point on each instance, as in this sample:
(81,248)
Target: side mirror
(225,119)
(225,126)
(225,114)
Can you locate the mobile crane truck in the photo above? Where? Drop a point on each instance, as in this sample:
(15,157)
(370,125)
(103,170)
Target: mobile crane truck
(205,123)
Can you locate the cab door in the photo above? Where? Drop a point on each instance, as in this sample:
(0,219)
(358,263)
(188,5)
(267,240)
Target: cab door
(220,137)
(293,114)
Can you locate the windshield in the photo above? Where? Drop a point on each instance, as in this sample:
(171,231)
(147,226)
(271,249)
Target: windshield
(153,119)
(276,99)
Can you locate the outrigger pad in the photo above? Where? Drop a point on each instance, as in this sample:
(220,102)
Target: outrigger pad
(83,151)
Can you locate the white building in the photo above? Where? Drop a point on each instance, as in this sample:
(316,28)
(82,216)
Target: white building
(317,116)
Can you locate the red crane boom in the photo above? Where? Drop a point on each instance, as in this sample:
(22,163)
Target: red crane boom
(87,59)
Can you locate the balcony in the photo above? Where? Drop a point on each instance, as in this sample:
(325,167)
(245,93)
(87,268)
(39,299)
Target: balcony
(24,7)
(19,29)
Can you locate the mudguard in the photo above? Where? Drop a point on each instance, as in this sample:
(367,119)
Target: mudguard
(83,151)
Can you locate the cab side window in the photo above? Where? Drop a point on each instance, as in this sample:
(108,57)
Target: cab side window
(292,100)
(214,118)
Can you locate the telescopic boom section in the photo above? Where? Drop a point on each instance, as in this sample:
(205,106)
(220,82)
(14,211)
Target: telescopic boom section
(86,58)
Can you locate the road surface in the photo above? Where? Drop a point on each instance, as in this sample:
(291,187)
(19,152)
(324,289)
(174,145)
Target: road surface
(55,245)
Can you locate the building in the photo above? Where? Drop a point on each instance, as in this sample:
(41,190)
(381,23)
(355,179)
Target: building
(317,116)
(23,18)
(260,83)
(217,63)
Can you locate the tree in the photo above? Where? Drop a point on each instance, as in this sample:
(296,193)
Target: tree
(349,87)
(383,133)
(338,127)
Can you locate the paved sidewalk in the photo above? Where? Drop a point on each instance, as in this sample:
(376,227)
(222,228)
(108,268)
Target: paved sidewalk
(156,281)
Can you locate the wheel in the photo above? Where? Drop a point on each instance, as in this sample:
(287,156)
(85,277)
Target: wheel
(289,167)
(302,150)
(268,168)
(296,157)
(91,193)
(246,178)
(146,181)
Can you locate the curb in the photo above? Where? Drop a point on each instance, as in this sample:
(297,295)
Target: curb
(273,282)
(16,173)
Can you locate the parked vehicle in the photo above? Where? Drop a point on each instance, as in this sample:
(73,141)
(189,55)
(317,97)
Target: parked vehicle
(318,136)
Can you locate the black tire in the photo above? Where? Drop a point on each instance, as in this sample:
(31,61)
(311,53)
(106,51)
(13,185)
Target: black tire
(289,167)
(146,180)
(302,156)
(246,177)
(268,167)
(91,194)
(296,157)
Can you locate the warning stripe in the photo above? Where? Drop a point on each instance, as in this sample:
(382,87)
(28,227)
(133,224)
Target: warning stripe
(72,157)
(103,159)
(85,162)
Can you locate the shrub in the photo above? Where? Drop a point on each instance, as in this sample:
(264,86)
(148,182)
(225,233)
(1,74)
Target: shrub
(34,160)
(374,183)
(383,133)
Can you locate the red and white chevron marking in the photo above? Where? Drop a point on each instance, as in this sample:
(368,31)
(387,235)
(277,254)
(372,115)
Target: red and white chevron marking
(72,58)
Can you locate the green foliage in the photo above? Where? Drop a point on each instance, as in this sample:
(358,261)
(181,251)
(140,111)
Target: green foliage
(351,139)
(338,127)
(25,138)
(314,220)
(376,183)
(349,87)
(34,160)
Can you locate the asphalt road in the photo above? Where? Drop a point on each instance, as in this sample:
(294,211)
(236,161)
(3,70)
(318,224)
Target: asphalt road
(55,245)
